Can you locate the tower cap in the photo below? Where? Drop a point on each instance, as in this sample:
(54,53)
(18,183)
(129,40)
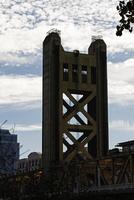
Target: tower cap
(96,37)
(54,30)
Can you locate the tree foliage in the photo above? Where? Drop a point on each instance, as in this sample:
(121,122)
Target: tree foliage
(126,12)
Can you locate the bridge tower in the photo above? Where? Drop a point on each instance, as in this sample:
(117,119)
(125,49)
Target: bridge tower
(75,116)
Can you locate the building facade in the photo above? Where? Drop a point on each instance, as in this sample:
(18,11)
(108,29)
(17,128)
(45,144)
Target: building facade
(33,162)
(75,116)
(126,147)
(9,152)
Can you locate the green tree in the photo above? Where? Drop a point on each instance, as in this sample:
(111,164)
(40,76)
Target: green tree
(126,12)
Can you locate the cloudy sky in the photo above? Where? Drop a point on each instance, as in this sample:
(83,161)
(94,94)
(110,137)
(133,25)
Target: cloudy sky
(23,27)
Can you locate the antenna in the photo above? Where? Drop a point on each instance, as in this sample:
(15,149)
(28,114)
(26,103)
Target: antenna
(3,123)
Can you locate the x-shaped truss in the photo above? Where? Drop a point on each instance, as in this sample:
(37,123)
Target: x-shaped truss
(88,129)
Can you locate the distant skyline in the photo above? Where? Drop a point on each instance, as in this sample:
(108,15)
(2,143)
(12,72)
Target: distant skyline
(23,27)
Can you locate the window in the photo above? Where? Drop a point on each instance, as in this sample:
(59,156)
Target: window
(65,72)
(23,164)
(75,73)
(29,163)
(36,162)
(20,165)
(32,162)
(84,73)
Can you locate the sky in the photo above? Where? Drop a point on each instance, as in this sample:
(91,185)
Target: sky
(23,27)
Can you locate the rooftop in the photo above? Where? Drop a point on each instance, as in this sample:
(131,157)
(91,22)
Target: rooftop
(127,143)
(4,131)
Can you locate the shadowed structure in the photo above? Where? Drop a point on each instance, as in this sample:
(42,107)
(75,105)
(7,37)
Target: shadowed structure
(75,117)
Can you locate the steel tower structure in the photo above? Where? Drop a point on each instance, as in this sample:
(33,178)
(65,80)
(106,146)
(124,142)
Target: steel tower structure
(67,75)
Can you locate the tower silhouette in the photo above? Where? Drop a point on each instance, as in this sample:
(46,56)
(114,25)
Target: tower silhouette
(65,76)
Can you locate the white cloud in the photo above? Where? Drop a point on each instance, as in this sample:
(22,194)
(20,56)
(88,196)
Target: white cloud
(120,131)
(121,82)
(28,127)
(17,128)
(119,44)
(16,58)
(20,89)
(24,24)
(121,125)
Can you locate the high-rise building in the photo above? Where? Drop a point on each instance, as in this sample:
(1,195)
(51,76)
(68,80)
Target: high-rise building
(9,152)
(75,116)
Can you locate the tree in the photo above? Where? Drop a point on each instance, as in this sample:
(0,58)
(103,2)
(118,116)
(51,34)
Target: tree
(126,12)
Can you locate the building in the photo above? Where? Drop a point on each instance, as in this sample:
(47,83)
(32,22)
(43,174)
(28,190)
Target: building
(126,147)
(75,113)
(33,162)
(9,152)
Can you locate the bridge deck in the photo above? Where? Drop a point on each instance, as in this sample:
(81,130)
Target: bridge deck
(123,188)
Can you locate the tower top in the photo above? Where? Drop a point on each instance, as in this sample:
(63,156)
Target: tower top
(54,31)
(96,37)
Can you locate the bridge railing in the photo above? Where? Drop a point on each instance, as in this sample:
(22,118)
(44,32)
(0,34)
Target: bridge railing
(113,187)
